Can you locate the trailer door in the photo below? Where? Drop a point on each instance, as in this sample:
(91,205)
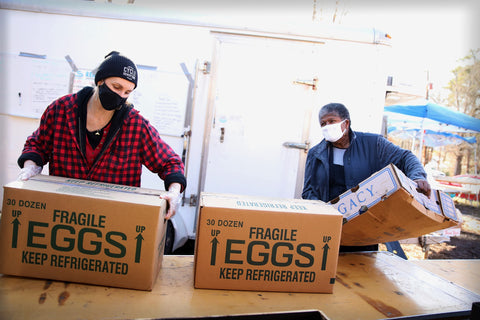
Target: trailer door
(262,94)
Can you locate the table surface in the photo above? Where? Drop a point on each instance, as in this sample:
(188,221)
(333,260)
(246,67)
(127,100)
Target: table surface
(465,273)
(373,285)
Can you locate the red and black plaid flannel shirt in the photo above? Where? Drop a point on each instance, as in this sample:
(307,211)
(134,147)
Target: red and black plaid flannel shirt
(134,142)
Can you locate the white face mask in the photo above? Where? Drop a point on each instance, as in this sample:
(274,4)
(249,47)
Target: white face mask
(333,132)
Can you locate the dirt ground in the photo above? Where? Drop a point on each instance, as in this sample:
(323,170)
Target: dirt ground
(464,246)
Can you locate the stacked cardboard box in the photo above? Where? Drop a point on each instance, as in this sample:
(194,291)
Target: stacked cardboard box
(82,231)
(265,244)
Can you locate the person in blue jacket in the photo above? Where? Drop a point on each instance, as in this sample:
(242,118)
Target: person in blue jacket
(346,157)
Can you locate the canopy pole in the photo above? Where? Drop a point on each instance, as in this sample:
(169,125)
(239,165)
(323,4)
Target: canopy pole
(476,159)
(421,143)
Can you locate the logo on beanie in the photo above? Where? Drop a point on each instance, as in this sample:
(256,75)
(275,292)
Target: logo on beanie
(129,72)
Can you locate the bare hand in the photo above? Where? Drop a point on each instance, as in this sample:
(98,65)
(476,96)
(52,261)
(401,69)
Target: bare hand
(423,187)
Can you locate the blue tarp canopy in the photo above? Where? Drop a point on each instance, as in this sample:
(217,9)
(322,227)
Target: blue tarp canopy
(431,138)
(434,125)
(428,115)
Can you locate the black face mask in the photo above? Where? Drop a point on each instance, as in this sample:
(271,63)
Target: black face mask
(109,99)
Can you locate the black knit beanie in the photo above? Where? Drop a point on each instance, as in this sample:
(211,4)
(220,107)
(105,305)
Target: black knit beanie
(116,65)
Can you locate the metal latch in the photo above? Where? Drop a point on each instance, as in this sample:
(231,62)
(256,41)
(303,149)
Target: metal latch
(312,83)
(297,145)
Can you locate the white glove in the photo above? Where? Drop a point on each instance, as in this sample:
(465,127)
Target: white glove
(174,198)
(30,169)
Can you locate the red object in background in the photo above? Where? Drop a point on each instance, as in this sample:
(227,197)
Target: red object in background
(469,196)
(463,195)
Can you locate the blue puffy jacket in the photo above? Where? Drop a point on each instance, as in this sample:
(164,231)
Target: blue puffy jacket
(367,154)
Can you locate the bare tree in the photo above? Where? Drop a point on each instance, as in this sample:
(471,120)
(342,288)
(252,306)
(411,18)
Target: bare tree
(465,97)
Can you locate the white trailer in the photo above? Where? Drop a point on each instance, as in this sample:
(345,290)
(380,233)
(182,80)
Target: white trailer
(238,102)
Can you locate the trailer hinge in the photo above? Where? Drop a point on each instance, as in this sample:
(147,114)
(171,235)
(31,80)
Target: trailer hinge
(205,68)
(192,200)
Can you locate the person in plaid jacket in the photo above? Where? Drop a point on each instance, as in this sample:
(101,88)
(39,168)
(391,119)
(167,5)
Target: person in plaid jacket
(95,134)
